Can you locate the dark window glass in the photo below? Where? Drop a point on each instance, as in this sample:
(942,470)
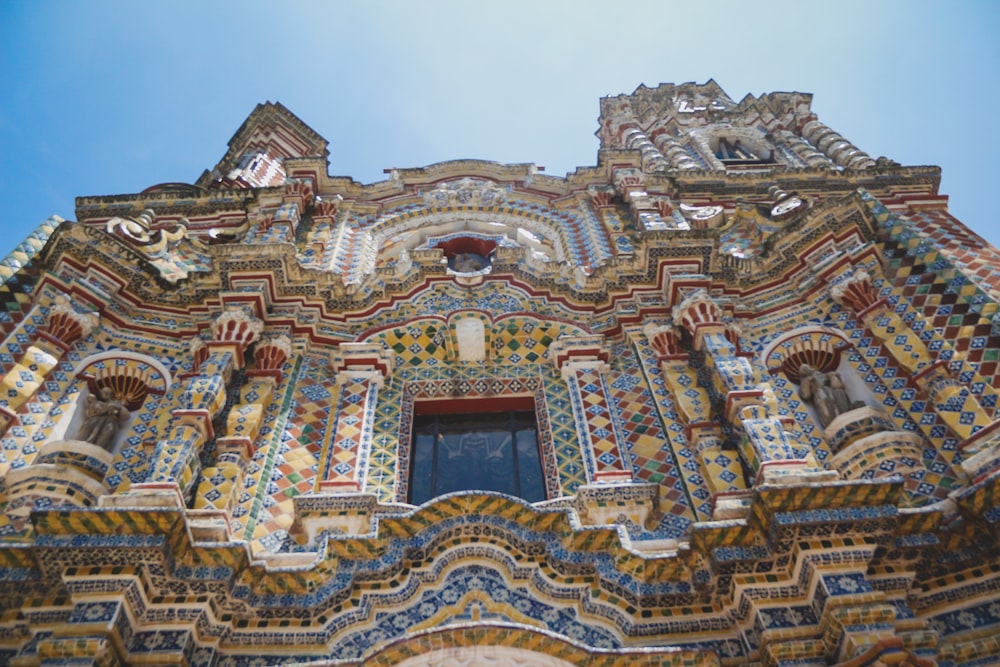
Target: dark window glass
(494,451)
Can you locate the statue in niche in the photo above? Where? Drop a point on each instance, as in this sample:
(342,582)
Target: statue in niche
(826,392)
(468,262)
(103,417)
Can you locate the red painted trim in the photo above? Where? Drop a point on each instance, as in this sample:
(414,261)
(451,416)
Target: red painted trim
(458,406)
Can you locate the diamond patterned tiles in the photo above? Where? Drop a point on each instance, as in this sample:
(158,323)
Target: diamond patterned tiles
(954,290)
(648,449)
(562,430)
(419,342)
(965,250)
(527,339)
(692,483)
(595,421)
(286,460)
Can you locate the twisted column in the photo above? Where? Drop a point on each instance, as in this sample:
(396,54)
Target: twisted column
(836,147)
(176,466)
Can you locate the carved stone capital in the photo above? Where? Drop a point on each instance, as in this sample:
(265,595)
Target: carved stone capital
(697,310)
(272,353)
(236,325)
(587,348)
(66,326)
(665,339)
(369,359)
(855,292)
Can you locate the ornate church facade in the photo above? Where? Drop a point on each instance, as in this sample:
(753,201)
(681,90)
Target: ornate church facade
(726,398)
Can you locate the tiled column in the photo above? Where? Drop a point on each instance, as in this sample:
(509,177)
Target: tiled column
(63,327)
(583,361)
(361,369)
(222,483)
(722,470)
(749,405)
(176,466)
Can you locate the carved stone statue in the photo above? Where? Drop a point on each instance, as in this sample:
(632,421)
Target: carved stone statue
(467,262)
(104,415)
(826,392)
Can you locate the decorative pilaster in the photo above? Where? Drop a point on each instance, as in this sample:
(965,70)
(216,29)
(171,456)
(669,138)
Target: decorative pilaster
(64,326)
(722,470)
(765,445)
(583,362)
(323,218)
(176,467)
(222,483)
(361,370)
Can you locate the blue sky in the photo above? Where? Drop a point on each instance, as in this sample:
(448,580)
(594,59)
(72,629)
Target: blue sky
(107,97)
